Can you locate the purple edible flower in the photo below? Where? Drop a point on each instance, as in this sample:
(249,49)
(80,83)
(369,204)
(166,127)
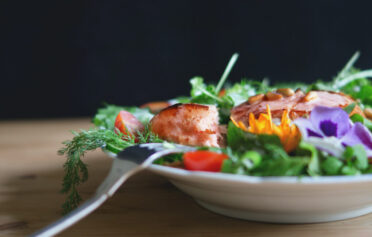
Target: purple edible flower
(359,134)
(330,130)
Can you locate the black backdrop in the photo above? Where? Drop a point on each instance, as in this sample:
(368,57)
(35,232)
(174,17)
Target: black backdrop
(64,58)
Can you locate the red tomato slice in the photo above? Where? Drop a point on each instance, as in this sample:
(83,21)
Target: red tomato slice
(204,160)
(128,124)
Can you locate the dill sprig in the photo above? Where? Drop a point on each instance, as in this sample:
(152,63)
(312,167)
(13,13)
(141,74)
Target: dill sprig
(76,171)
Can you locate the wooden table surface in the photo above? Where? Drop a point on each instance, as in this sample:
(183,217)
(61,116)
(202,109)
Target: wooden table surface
(147,205)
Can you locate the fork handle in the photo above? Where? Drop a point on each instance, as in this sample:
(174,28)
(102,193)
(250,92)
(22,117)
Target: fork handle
(68,220)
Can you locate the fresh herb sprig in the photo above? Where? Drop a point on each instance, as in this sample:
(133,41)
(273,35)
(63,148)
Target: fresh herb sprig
(76,171)
(102,136)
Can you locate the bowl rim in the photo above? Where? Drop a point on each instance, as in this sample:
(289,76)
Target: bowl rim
(238,178)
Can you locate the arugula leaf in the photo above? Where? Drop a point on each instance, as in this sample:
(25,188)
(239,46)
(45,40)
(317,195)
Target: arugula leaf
(205,94)
(359,89)
(201,93)
(354,82)
(365,94)
(237,139)
(105,117)
(142,114)
(342,82)
(209,94)
(241,91)
(346,69)
(351,81)
(320,85)
(266,139)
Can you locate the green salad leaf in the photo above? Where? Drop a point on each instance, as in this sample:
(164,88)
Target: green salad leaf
(202,93)
(241,91)
(351,81)
(105,117)
(281,167)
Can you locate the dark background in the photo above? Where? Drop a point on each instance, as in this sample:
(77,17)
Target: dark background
(64,58)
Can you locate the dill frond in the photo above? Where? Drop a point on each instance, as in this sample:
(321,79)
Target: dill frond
(76,171)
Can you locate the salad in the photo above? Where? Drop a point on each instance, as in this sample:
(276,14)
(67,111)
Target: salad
(246,128)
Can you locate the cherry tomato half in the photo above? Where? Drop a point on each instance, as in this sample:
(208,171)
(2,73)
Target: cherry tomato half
(127,124)
(204,160)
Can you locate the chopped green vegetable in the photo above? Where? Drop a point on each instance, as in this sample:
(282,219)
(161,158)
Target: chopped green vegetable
(331,165)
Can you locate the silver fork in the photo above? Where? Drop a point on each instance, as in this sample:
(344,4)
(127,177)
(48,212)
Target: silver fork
(128,162)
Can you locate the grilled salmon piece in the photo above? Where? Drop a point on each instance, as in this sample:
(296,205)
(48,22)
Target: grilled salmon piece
(188,124)
(242,111)
(299,104)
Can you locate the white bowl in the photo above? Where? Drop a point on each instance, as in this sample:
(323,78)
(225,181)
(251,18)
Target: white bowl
(275,199)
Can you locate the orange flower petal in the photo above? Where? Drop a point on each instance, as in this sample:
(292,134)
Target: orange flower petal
(287,132)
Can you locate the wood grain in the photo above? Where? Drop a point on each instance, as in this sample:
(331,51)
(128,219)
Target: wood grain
(147,205)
